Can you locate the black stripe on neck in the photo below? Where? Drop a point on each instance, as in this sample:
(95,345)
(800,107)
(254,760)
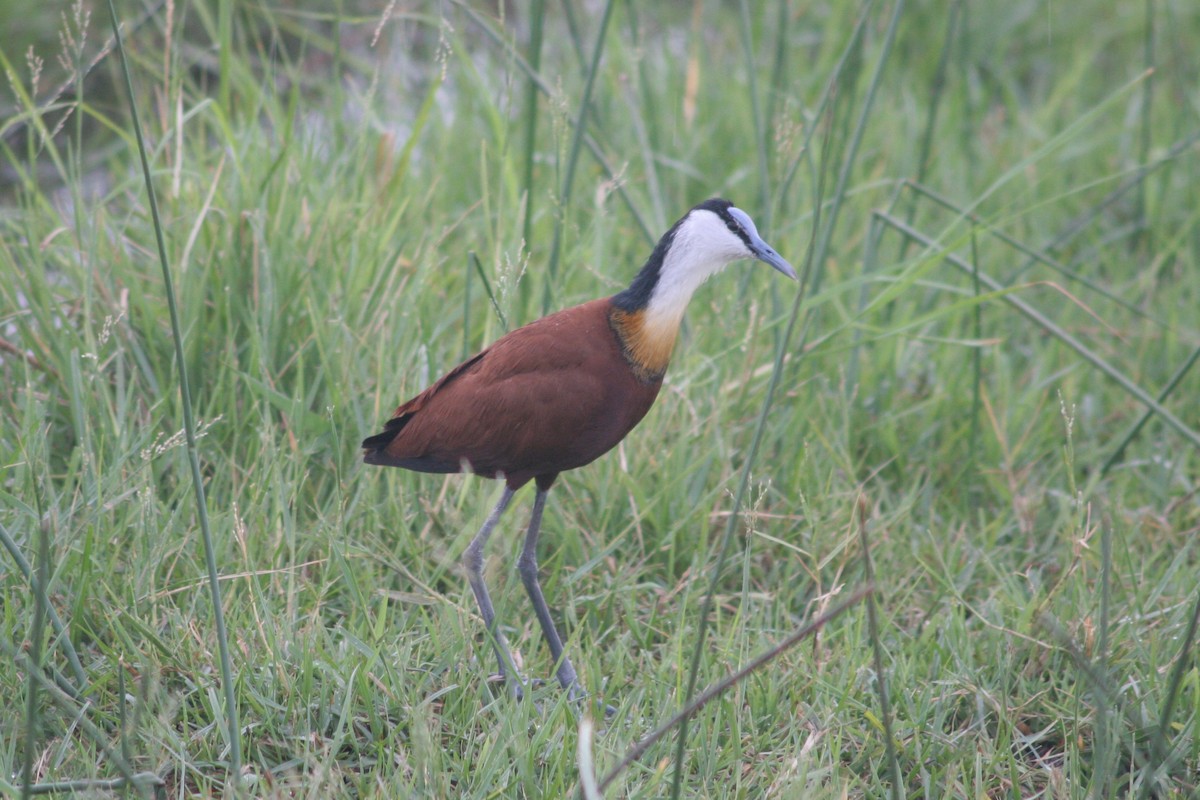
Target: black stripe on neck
(638,294)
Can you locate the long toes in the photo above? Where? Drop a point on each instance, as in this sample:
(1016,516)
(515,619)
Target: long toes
(579,696)
(514,687)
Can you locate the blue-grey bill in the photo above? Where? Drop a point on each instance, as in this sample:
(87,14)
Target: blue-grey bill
(764,252)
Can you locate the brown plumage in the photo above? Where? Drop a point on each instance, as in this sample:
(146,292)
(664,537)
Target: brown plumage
(562,391)
(548,397)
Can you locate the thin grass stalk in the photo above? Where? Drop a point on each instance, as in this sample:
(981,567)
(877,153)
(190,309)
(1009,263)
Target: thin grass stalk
(852,152)
(1142,230)
(189,426)
(60,630)
(537,14)
(40,587)
(935,101)
(834,145)
(885,706)
(1136,428)
(1037,256)
(816,256)
(778,65)
(338,56)
(805,153)
(756,116)
(564,199)
(976,371)
(1040,319)
(1080,222)
(487,288)
(733,679)
(1101,683)
(870,257)
(1183,663)
(466,318)
(818,247)
(89,728)
(574,34)
(587,761)
(839,190)
(1102,728)
(75,180)
(545,88)
(224,53)
(732,520)
(645,125)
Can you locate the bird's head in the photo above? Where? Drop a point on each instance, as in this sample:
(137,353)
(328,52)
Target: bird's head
(699,245)
(710,236)
(717,232)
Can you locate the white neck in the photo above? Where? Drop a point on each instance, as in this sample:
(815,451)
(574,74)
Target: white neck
(702,247)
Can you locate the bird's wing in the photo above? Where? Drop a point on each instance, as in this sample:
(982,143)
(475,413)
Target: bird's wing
(547,397)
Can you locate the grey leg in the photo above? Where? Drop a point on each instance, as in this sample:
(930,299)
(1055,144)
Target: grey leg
(473,561)
(528,567)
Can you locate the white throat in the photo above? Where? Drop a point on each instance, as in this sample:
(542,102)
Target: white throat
(702,247)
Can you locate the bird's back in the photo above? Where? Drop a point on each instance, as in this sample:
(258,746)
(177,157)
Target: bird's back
(548,397)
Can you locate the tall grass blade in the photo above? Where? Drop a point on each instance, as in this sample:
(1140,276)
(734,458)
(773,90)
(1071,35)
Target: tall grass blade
(720,687)
(1184,662)
(545,88)
(224,54)
(853,42)
(1077,225)
(885,706)
(233,731)
(487,288)
(756,115)
(1101,732)
(60,630)
(1119,451)
(935,100)
(778,64)
(40,603)
(1056,330)
(1142,229)
(1035,256)
(973,459)
(816,256)
(537,14)
(839,189)
(875,231)
(585,102)
(90,729)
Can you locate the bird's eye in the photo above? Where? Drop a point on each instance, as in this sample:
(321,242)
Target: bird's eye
(733,226)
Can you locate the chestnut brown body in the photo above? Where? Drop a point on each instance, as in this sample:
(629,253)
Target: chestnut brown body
(549,397)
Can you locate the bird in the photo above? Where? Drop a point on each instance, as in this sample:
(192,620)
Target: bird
(559,393)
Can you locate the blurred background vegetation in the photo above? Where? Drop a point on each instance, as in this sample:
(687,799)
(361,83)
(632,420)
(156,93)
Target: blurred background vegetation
(995,208)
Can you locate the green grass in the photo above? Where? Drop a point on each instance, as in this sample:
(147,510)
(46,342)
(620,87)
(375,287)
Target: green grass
(323,198)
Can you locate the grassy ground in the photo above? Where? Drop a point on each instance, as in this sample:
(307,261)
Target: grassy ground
(336,211)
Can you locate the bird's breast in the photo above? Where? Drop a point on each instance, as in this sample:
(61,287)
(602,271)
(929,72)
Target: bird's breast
(646,342)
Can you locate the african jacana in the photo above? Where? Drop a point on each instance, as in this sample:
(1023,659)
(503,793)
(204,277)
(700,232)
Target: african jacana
(560,392)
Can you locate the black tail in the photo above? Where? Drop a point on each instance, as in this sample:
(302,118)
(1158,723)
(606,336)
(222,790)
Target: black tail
(373,446)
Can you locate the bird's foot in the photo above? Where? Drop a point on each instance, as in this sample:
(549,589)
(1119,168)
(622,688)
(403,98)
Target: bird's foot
(579,696)
(515,687)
